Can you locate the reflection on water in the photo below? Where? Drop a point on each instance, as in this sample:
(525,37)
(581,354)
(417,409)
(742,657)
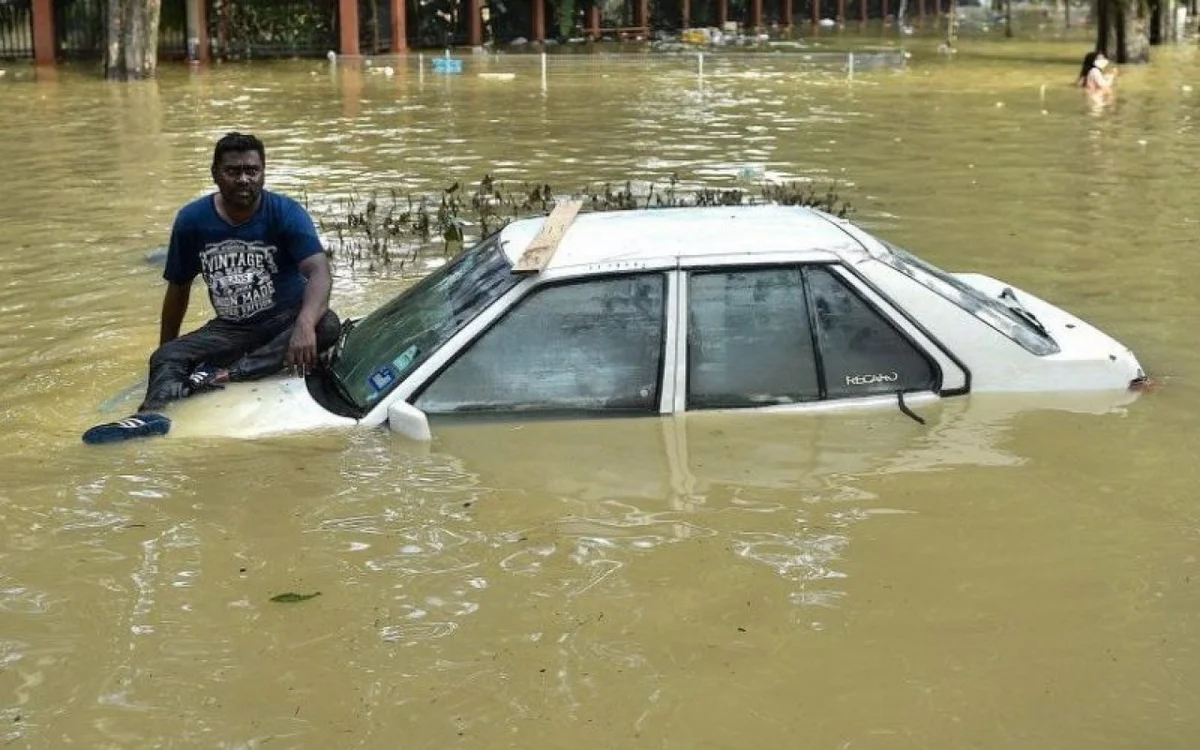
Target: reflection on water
(1006,575)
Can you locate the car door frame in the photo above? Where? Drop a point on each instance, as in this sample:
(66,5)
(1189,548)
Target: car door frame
(423,376)
(953,377)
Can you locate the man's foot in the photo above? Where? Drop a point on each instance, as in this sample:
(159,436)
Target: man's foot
(145,424)
(207,379)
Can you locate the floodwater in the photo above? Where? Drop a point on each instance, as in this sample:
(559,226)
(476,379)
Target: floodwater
(1006,576)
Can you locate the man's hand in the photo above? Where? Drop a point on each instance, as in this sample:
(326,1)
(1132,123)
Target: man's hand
(302,349)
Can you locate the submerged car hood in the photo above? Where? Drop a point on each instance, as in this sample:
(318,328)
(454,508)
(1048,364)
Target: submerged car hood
(274,406)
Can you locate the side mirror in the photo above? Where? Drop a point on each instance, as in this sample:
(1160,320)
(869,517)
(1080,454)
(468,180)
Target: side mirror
(409,421)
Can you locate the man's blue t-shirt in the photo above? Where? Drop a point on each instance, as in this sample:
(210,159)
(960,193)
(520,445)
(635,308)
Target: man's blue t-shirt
(251,269)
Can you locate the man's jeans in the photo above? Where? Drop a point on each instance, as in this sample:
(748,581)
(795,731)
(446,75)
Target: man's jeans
(249,351)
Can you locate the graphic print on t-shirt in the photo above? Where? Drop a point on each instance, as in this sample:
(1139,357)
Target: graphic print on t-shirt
(240,277)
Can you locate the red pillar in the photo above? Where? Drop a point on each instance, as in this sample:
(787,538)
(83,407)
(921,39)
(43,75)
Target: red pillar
(756,15)
(474,24)
(348,25)
(539,20)
(43,32)
(399,10)
(204,53)
(594,19)
(687,14)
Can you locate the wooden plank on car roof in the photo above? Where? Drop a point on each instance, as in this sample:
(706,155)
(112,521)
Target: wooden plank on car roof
(541,250)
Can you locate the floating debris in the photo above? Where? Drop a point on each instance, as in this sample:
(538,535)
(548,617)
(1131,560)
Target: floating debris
(292,598)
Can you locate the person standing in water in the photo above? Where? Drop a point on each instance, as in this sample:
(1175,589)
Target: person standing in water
(1092,75)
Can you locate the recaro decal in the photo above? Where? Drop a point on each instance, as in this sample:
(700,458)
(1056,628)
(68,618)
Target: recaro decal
(879,377)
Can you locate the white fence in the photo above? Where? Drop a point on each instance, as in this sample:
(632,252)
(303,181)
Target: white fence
(701,64)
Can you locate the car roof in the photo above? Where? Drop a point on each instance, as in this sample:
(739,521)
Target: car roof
(688,232)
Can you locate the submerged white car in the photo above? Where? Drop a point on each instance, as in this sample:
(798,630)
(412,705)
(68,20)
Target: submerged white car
(663,311)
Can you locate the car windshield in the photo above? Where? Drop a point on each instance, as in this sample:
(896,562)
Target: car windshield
(992,311)
(382,348)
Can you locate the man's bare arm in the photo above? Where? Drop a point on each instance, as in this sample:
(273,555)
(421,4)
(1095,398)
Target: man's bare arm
(303,347)
(316,294)
(174,307)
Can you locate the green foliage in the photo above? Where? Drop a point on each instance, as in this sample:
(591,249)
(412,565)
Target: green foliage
(255,27)
(14,18)
(389,230)
(566,18)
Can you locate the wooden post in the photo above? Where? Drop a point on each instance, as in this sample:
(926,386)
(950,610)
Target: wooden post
(921,12)
(787,14)
(348,26)
(756,15)
(862,12)
(841,12)
(594,19)
(222,8)
(43,32)
(202,24)
(686,10)
(539,20)
(399,26)
(197,31)
(643,19)
(474,24)
(885,12)
(722,13)
(816,12)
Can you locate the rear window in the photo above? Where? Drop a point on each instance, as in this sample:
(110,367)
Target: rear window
(990,310)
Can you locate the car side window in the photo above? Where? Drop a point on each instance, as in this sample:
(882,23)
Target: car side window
(861,353)
(593,345)
(749,340)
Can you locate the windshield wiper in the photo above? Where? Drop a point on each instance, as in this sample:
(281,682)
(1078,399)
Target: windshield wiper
(336,353)
(1019,309)
(340,388)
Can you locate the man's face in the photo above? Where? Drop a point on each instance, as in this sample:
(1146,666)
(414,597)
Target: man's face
(239,177)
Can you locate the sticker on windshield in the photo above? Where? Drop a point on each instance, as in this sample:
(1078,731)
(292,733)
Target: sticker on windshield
(381,379)
(405,359)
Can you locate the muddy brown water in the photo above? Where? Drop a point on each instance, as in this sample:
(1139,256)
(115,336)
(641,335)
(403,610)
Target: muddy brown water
(1009,575)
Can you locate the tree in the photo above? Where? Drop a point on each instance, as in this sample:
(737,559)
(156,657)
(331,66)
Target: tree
(1123,30)
(565,10)
(131,44)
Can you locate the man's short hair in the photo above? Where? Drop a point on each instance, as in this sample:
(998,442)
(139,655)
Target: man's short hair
(238,143)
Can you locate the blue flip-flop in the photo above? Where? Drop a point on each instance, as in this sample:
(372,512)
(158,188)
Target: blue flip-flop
(139,425)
